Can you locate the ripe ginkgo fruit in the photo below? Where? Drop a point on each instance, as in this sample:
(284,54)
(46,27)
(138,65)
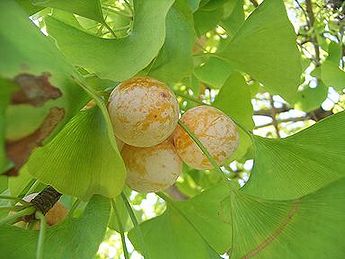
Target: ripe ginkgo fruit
(151,169)
(54,216)
(144,112)
(216,131)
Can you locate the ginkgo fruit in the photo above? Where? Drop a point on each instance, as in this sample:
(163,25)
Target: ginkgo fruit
(144,112)
(215,130)
(151,169)
(54,216)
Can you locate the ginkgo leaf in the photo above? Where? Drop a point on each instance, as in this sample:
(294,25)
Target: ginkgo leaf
(174,61)
(192,229)
(307,227)
(37,67)
(267,50)
(87,8)
(80,160)
(234,99)
(36,58)
(235,16)
(310,99)
(245,226)
(300,164)
(116,59)
(208,15)
(214,72)
(73,238)
(7,88)
(331,74)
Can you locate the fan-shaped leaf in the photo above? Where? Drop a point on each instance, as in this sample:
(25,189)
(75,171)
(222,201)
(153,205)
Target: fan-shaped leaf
(300,164)
(267,50)
(80,160)
(175,58)
(33,63)
(308,227)
(88,8)
(192,229)
(116,59)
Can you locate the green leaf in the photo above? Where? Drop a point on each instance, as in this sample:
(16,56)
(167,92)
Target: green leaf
(3,183)
(307,227)
(87,8)
(234,99)
(73,238)
(194,4)
(300,164)
(331,74)
(234,17)
(310,99)
(29,8)
(274,61)
(28,53)
(18,184)
(116,59)
(174,61)
(80,160)
(207,16)
(7,88)
(208,216)
(123,214)
(171,236)
(214,72)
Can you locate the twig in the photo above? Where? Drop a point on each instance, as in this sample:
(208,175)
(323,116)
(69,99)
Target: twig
(304,118)
(314,40)
(274,117)
(304,12)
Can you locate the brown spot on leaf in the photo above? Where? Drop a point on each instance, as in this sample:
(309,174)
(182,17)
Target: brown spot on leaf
(34,90)
(18,151)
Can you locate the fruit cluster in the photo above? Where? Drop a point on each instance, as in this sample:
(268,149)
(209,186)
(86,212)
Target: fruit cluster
(145,113)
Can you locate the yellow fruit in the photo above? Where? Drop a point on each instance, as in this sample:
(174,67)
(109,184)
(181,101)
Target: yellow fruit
(54,216)
(144,112)
(216,131)
(151,169)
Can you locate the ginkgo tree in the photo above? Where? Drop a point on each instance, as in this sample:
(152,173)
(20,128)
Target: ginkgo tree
(105,102)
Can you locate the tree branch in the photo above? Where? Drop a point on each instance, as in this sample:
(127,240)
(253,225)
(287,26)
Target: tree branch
(314,40)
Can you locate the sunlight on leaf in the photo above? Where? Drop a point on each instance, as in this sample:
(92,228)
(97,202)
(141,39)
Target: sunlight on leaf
(80,160)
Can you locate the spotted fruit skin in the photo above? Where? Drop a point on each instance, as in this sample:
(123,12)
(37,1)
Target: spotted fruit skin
(216,131)
(151,169)
(144,112)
